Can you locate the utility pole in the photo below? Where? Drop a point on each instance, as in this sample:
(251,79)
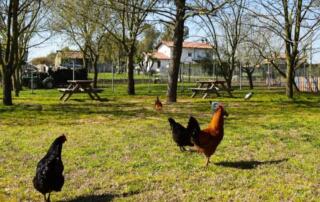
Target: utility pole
(73,77)
(240,73)
(310,65)
(112,84)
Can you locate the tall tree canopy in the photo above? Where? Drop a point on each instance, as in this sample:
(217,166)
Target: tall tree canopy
(294,22)
(128,20)
(176,13)
(18,22)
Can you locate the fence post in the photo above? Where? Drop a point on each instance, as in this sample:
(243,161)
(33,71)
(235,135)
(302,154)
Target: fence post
(240,76)
(181,76)
(112,81)
(189,72)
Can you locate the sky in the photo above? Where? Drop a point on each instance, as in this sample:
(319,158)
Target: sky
(58,42)
(52,45)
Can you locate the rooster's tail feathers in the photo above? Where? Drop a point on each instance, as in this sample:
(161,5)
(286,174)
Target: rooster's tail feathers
(171,121)
(194,130)
(193,125)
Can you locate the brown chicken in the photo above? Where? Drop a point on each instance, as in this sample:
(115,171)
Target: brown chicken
(206,141)
(158,104)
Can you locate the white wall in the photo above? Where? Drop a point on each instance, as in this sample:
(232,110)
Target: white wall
(196,54)
(162,68)
(202,53)
(165,50)
(184,56)
(164,65)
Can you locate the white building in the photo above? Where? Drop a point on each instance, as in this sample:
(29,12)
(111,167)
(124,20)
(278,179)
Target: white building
(192,53)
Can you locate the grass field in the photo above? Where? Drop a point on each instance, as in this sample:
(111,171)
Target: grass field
(118,76)
(122,149)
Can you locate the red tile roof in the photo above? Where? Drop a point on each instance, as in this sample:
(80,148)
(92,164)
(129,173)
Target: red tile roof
(160,56)
(187,44)
(71,54)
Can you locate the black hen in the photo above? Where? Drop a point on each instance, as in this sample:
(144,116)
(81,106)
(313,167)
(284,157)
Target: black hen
(49,171)
(180,134)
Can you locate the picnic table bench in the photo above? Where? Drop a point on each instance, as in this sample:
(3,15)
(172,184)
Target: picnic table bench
(208,87)
(80,86)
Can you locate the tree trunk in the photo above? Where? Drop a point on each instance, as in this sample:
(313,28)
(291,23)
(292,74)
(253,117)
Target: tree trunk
(229,82)
(249,74)
(95,69)
(130,67)
(177,50)
(19,71)
(7,86)
(295,86)
(17,87)
(289,86)
(15,83)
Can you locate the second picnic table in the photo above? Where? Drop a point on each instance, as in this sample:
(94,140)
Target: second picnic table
(207,87)
(80,86)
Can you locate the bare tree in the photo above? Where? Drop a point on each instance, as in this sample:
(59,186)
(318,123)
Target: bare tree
(270,47)
(127,21)
(252,51)
(293,21)
(249,61)
(16,20)
(176,13)
(225,31)
(78,21)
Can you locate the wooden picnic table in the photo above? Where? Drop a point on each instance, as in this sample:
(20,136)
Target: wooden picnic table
(80,86)
(207,87)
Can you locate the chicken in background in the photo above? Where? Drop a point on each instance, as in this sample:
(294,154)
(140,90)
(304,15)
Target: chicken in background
(182,135)
(158,104)
(206,141)
(248,96)
(49,173)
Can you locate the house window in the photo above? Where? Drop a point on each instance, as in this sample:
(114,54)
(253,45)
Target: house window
(189,54)
(159,63)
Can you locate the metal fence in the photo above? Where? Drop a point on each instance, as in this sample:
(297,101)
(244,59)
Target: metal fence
(191,74)
(308,84)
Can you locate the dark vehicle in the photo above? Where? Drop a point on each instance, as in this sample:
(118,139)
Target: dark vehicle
(32,78)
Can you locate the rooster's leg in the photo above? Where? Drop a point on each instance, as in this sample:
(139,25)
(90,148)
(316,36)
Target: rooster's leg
(48,198)
(208,161)
(45,198)
(182,149)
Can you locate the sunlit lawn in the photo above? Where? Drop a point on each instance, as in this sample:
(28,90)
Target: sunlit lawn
(122,149)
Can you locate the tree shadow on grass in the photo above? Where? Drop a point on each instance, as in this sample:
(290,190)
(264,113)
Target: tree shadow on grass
(104,100)
(247,165)
(101,198)
(79,100)
(86,99)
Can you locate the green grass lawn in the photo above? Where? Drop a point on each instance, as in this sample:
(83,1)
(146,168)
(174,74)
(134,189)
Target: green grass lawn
(118,76)
(122,149)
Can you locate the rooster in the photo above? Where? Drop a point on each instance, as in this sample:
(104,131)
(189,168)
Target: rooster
(49,171)
(182,135)
(206,141)
(158,104)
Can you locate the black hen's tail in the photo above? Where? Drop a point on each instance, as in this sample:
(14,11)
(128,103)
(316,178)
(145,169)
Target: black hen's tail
(194,130)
